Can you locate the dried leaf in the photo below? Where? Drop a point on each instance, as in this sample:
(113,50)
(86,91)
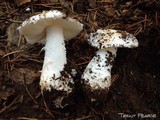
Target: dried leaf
(92,3)
(13,34)
(24,75)
(56,1)
(110,11)
(2,53)
(1,13)
(4,95)
(107,1)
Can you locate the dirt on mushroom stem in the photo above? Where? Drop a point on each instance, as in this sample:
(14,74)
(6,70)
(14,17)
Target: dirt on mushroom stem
(136,87)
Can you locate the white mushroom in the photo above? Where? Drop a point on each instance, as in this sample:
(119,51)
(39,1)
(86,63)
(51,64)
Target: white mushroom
(52,28)
(97,74)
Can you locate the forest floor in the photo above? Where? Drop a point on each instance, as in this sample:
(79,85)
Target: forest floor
(136,72)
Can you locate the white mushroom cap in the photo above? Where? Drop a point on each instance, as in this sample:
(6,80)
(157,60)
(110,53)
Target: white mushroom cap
(112,38)
(34,28)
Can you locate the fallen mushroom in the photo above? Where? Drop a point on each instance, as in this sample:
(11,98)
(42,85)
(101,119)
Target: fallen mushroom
(97,75)
(52,28)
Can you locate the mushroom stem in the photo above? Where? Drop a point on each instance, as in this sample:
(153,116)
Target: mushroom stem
(55,57)
(97,74)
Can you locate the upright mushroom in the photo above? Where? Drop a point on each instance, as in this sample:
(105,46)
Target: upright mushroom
(97,75)
(52,28)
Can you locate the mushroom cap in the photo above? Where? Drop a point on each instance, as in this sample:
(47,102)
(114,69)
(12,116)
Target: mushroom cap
(112,38)
(34,28)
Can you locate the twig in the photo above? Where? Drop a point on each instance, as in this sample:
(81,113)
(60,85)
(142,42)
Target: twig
(139,22)
(138,30)
(145,18)
(19,40)
(47,109)
(82,63)
(31,96)
(25,118)
(14,21)
(156,18)
(7,107)
(18,51)
(86,117)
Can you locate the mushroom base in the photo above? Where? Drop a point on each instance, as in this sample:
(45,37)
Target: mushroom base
(95,95)
(63,83)
(97,75)
(58,99)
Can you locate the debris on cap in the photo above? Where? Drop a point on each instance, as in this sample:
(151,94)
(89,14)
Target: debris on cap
(112,38)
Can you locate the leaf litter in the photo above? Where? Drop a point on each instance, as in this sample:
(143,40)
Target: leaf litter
(137,71)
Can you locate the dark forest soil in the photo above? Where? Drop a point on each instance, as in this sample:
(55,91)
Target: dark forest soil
(136,72)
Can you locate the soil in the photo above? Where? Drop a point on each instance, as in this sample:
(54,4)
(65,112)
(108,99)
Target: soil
(135,92)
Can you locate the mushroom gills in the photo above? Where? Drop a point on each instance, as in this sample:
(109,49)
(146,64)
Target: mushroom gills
(97,74)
